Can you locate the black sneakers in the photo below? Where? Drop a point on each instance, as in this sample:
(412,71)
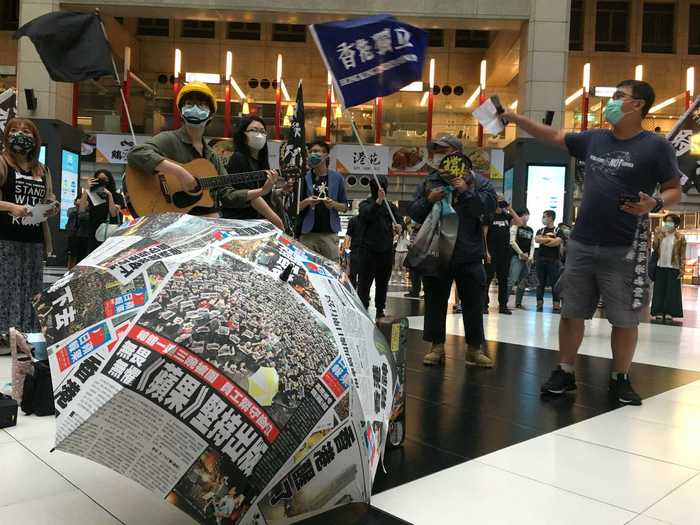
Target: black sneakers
(559,382)
(622,390)
(504,310)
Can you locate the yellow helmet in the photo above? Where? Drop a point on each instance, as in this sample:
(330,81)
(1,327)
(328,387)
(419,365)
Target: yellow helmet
(197,87)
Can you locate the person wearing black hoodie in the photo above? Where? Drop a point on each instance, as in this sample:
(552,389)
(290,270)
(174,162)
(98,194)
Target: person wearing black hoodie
(472,197)
(376,255)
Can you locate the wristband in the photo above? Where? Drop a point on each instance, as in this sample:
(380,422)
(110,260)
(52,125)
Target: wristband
(659,205)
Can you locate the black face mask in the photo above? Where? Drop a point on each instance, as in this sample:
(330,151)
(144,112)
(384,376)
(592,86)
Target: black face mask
(21,143)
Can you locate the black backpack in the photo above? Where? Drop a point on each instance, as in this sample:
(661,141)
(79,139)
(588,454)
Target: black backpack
(37,397)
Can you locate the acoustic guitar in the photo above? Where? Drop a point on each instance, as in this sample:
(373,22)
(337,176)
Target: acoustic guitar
(160,193)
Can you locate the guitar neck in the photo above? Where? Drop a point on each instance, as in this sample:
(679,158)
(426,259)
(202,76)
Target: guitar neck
(232,179)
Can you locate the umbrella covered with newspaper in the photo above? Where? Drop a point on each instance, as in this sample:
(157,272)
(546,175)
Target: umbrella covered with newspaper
(221,365)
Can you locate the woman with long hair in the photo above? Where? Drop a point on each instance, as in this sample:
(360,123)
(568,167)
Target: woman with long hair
(250,154)
(105,208)
(24,240)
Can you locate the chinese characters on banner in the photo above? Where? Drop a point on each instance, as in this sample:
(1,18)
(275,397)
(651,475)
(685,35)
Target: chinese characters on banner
(294,150)
(113,149)
(349,158)
(685,139)
(370,57)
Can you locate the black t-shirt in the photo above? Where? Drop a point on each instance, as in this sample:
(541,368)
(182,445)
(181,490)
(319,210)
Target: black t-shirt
(100,213)
(21,188)
(524,238)
(498,237)
(377,230)
(549,253)
(353,231)
(615,167)
(322,216)
(240,163)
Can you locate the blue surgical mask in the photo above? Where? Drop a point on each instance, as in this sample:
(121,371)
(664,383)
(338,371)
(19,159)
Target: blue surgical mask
(195,116)
(315,159)
(669,226)
(613,111)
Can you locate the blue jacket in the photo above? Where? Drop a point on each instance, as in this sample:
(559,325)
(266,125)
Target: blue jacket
(478,200)
(336,191)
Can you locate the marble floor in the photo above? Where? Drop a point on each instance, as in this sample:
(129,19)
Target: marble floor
(482,446)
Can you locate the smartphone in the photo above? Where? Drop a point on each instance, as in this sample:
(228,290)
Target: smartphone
(497,103)
(624,198)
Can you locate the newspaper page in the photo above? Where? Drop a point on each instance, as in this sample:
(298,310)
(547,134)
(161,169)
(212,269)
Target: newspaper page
(223,366)
(488,116)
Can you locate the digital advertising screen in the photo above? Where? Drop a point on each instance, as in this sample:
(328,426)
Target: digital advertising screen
(508,185)
(70,177)
(546,187)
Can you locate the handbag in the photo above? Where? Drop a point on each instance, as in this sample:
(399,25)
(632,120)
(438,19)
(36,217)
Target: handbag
(105,231)
(424,253)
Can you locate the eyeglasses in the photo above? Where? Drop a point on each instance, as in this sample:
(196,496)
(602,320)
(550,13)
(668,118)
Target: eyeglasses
(621,94)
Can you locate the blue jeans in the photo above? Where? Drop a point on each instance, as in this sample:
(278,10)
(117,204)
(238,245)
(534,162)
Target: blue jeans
(519,271)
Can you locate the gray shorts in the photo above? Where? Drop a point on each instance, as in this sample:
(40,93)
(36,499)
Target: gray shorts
(599,272)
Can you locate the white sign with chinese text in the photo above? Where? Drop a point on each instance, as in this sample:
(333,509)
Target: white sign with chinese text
(113,149)
(351,158)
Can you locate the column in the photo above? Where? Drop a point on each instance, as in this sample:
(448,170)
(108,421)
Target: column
(54,99)
(681,29)
(544,51)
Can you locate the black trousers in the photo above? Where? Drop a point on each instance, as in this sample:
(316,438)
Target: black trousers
(354,269)
(374,266)
(500,267)
(471,284)
(548,271)
(416,282)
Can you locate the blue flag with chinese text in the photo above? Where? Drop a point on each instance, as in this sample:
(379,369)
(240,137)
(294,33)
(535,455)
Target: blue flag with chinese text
(370,57)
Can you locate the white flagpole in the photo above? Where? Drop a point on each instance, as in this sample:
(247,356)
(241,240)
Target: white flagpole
(374,173)
(116,74)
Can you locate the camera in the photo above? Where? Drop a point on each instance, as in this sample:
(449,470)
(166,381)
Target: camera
(503,204)
(100,192)
(99,189)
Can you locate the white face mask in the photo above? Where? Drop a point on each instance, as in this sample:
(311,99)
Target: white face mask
(256,140)
(437,159)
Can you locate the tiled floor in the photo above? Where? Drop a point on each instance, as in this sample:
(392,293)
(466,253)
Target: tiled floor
(482,445)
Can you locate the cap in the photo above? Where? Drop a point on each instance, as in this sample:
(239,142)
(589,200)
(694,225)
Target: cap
(447,141)
(197,87)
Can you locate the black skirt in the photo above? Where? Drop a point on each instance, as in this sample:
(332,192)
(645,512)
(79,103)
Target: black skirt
(668,299)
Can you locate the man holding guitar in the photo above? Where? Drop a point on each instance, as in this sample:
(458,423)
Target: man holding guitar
(164,153)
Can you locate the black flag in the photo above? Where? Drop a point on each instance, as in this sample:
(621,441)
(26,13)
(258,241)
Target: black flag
(72,46)
(683,137)
(294,150)
(293,155)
